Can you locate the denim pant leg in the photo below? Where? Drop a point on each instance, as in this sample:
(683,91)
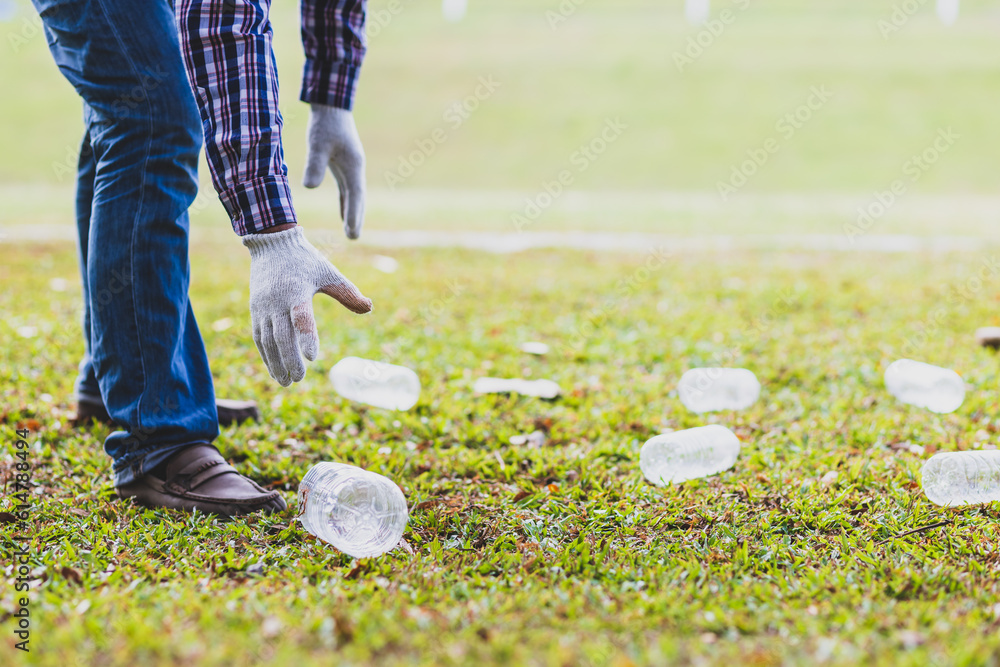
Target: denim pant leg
(87,387)
(124,60)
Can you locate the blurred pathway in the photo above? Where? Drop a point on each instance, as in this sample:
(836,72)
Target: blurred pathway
(593,241)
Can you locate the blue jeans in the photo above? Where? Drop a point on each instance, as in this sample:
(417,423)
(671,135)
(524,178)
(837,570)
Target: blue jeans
(145,358)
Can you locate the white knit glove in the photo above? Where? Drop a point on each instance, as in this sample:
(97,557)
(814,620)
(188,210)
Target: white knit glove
(286,271)
(333,142)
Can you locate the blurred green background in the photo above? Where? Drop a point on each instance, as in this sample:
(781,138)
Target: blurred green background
(560,81)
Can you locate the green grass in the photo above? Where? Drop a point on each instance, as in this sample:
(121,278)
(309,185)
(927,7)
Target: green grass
(554,555)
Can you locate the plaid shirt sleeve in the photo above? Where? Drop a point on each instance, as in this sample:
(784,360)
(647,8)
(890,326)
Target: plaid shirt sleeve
(333,36)
(231,67)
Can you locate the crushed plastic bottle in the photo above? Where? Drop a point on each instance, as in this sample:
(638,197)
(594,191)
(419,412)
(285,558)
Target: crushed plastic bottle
(676,457)
(359,512)
(988,337)
(376,383)
(938,389)
(953,479)
(713,389)
(535,347)
(538,388)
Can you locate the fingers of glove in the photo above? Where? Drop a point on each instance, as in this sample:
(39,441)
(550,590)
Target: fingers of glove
(351,181)
(344,291)
(293,367)
(305,330)
(317,159)
(258,340)
(269,351)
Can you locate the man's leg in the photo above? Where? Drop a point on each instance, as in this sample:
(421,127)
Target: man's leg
(89,404)
(124,59)
(88,391)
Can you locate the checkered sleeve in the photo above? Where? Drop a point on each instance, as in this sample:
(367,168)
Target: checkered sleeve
(333,36)
(231,67)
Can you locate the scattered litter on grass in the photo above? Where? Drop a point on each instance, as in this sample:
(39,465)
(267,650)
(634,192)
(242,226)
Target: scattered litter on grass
(58,284)
(385,264)
(271,627)
(954,479)
(716,389)
(533,439)
(680,456)
(906,446)
(910,639)
(537,388)
(988,337)
(376,383)
(534,347)
(222,324)
(937,389)
(27,331)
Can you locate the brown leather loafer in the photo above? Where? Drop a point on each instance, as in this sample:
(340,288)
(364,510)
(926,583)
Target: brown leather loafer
(230,412)
(198,478)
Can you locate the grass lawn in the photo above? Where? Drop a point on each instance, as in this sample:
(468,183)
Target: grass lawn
(552,555)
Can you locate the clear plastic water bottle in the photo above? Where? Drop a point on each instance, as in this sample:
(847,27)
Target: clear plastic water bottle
(962,478)
(359,512)
(712,389)
(376,383)
(938,389)
(676,457)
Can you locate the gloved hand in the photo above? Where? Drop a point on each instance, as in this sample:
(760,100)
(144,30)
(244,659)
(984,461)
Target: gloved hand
(286,271)
(333,142)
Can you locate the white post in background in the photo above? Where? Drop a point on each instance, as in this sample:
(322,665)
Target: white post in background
(453,10)
(8,10)
(697,11)
(947,11)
